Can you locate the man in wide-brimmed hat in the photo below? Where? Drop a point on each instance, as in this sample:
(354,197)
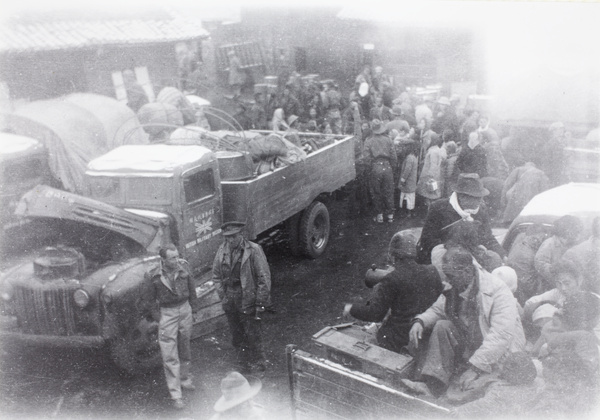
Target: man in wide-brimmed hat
(380,153)
(236,399)
(465,203)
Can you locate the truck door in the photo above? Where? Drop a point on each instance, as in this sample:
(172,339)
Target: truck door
(202,217)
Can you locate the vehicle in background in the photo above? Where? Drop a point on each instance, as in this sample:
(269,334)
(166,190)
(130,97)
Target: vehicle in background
(88,288)
(51,141)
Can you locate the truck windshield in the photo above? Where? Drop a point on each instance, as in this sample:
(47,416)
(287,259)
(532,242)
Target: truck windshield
(149,190)
(105,188)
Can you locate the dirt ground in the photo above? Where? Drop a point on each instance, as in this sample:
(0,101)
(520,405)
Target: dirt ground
(308,294)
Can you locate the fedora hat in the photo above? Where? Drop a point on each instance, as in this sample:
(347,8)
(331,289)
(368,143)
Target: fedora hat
(236,389)
(378,127)
(470,184)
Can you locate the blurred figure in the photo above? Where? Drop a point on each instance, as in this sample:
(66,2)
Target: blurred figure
(236,75)
(587,256)
(431,181)
(522,258)
(472,158)
(565,234)
(523,183)
(553,154)
(136,95)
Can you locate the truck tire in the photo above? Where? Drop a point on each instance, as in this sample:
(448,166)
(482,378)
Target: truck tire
(314,230)
(137,351)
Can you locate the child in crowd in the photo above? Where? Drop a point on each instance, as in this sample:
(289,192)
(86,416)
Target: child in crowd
(408,179)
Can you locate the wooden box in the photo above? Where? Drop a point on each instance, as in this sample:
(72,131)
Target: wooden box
(356,349)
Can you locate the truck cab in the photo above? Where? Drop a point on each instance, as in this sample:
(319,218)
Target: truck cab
(182,182)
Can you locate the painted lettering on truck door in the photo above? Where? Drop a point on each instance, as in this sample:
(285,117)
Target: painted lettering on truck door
(202,216)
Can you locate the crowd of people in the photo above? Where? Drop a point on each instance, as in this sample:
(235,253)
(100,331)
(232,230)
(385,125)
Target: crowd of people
(490,330)
(411,147)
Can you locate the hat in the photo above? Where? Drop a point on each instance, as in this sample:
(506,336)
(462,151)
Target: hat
(470,184)
(378,127)
(508,276)
(547,310)
(396,110)
(292,119)
(232,228)
(444,101)
(518,369)
(403,244)
(236,389)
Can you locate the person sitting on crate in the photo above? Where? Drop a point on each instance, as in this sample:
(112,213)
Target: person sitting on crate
(407,291)
(467,333)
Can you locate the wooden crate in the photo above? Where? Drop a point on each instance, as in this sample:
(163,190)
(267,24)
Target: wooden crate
(357,350)
(321,389)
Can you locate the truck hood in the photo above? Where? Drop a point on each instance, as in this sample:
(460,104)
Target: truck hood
(47,202)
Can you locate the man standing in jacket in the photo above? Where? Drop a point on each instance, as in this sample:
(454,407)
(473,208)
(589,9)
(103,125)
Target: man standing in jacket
(174,290)
(469,330)
(243,282)
(380,153)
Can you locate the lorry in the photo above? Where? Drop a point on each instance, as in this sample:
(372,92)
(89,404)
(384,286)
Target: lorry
(87,288)
(51,141)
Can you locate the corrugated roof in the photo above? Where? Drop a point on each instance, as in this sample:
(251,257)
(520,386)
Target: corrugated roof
(17,37)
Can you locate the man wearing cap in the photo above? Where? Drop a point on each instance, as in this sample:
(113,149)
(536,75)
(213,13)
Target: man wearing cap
(236,402)
(467,332)
(236,75)
(380,153)
(407,291)
(332,103)
(445,118)
(243,282)
(399,122)
(465,203)
(173,288)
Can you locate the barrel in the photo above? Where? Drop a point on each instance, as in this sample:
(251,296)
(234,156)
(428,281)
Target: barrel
(234,166)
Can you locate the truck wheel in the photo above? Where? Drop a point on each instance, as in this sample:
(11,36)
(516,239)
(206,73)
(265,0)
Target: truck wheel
(314,230)
(137,351)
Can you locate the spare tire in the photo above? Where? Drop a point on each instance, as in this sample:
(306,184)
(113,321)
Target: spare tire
(314,230)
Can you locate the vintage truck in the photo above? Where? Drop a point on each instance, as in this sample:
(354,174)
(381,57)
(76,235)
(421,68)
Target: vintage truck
(88,290)
(51,141)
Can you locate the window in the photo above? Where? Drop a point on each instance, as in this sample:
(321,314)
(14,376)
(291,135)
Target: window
(249,53)
(149,190)
(105,188)
(199,185)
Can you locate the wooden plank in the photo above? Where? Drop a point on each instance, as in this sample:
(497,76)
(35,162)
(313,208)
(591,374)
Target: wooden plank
(332,387)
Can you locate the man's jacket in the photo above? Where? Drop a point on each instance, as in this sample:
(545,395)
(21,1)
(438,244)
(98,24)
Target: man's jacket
(255,276)
(499,321)
(437,227)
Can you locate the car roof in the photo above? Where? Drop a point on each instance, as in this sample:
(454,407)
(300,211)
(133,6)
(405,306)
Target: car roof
(148,159)
(570,198)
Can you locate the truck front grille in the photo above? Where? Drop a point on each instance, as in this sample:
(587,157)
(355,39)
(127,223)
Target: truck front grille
(45,311)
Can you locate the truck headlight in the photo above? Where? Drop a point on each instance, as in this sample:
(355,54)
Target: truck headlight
(81,298)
